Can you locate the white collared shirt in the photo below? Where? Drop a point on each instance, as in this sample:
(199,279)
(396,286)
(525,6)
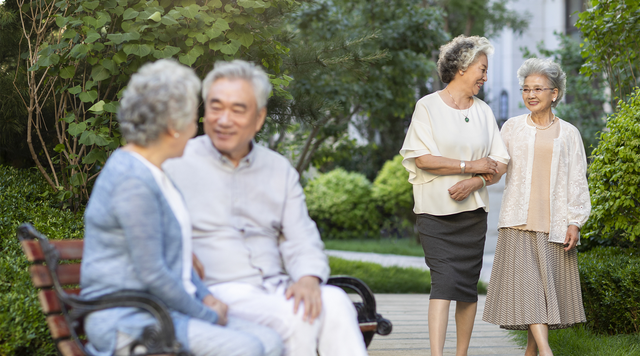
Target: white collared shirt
(250,222)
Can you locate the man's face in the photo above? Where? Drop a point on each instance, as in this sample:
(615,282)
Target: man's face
(232,118)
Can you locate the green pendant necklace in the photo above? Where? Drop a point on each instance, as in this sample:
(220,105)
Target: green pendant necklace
(466,117)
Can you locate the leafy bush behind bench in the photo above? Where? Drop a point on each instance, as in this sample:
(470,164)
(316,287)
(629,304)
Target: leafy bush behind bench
(25,197)
(610,279)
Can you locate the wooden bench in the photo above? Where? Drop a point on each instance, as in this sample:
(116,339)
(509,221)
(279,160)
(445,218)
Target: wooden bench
(55,270)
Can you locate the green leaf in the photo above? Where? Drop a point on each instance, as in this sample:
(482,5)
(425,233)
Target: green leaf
(92,60)
(97,107)
(69,33)
(191,56)
(191,11)
(45,61)
(202,38)
(59,148)
(90,21)
(168,51)
(91,5)
(102,20)
(79,50)
(221,24)
(137,49)
(111,107)
(216,45)
(97,46)
(168,21)
(119,57)
(109,65)
(213,32)
(78,179)
(88,97)
(67,72)
(130,14)
(69,118)
(216,4)
(100,73)
(96,155)
(87,138)
(102,141)
(76,128)
(62,21)
(246,39)
(118,38)
(155,17)
(231,48)
(75,90)
(92,37)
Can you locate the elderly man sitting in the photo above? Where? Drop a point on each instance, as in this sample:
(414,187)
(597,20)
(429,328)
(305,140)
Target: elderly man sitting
(261,252)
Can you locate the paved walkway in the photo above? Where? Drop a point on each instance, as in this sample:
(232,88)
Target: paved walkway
(410,335)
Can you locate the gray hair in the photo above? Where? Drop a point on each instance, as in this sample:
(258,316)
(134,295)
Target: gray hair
(550,69)
(459,54)
(160,96)
(239,69)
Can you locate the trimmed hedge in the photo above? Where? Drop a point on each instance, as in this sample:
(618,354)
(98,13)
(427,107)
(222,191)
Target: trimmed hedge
(610,279)
(342,206)
(25,197)
(614,180)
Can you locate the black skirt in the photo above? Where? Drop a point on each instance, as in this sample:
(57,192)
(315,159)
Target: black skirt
(453,248)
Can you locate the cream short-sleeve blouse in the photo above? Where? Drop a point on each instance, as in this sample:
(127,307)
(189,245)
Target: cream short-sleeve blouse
(440,130)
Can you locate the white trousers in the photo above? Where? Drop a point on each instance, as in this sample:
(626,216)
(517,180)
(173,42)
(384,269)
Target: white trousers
(334,333)
(238,338)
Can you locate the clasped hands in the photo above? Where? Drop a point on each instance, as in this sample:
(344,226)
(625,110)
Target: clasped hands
(306,290)
(485,167)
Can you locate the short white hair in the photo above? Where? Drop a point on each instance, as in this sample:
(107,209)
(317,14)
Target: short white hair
(160,96)
(550,69)
(459,54)
(239,69)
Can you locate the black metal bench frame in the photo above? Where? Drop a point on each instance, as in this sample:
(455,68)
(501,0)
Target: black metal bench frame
(65,310)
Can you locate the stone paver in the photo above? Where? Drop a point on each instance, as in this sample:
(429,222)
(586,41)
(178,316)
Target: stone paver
(410,336)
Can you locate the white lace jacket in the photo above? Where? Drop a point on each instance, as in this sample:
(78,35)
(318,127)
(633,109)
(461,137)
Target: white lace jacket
(570,202)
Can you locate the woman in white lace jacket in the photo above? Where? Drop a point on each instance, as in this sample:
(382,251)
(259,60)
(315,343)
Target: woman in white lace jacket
(535,284)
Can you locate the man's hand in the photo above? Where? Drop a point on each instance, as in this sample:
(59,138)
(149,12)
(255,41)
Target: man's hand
(572,237)
(461,190)
(218,306)
(306,290)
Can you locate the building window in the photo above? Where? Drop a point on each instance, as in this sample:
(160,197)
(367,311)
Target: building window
(503,109)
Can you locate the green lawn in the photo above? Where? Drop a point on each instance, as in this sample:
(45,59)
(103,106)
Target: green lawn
(580,341)
(387,279)
(404,246)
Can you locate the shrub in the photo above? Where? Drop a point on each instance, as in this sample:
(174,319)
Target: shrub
(341,204)
(614,179)
(610,278)
(25,197)
(383,279)
(394,194)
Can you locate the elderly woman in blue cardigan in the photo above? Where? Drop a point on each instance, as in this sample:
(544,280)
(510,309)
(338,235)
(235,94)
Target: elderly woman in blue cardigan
(138,232)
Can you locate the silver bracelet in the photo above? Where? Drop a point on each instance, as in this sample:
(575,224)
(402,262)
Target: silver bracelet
(462,167)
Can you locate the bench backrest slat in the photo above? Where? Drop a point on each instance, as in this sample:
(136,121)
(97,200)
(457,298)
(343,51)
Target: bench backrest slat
(68,249)
(67,274)
(49,300)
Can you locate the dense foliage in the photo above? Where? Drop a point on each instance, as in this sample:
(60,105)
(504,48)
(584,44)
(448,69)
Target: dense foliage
(610,31)
(610,279)
(614,179)
(341,204)
(26,197)
(394,195)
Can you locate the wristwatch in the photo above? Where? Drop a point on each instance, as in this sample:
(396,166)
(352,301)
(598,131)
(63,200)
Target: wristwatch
(462,167)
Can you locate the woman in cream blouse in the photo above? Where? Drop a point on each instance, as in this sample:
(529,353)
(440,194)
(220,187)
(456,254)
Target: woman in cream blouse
(535,284)
(452,151)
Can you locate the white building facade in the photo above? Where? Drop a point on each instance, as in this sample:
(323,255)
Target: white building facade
(546,17)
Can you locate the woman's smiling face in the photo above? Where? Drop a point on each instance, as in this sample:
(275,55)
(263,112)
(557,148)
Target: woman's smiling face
(538,102)
(476,73)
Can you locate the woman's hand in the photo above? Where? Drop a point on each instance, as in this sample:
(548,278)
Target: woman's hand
(572,237)
(461,190)
(482,166)
(218,306)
